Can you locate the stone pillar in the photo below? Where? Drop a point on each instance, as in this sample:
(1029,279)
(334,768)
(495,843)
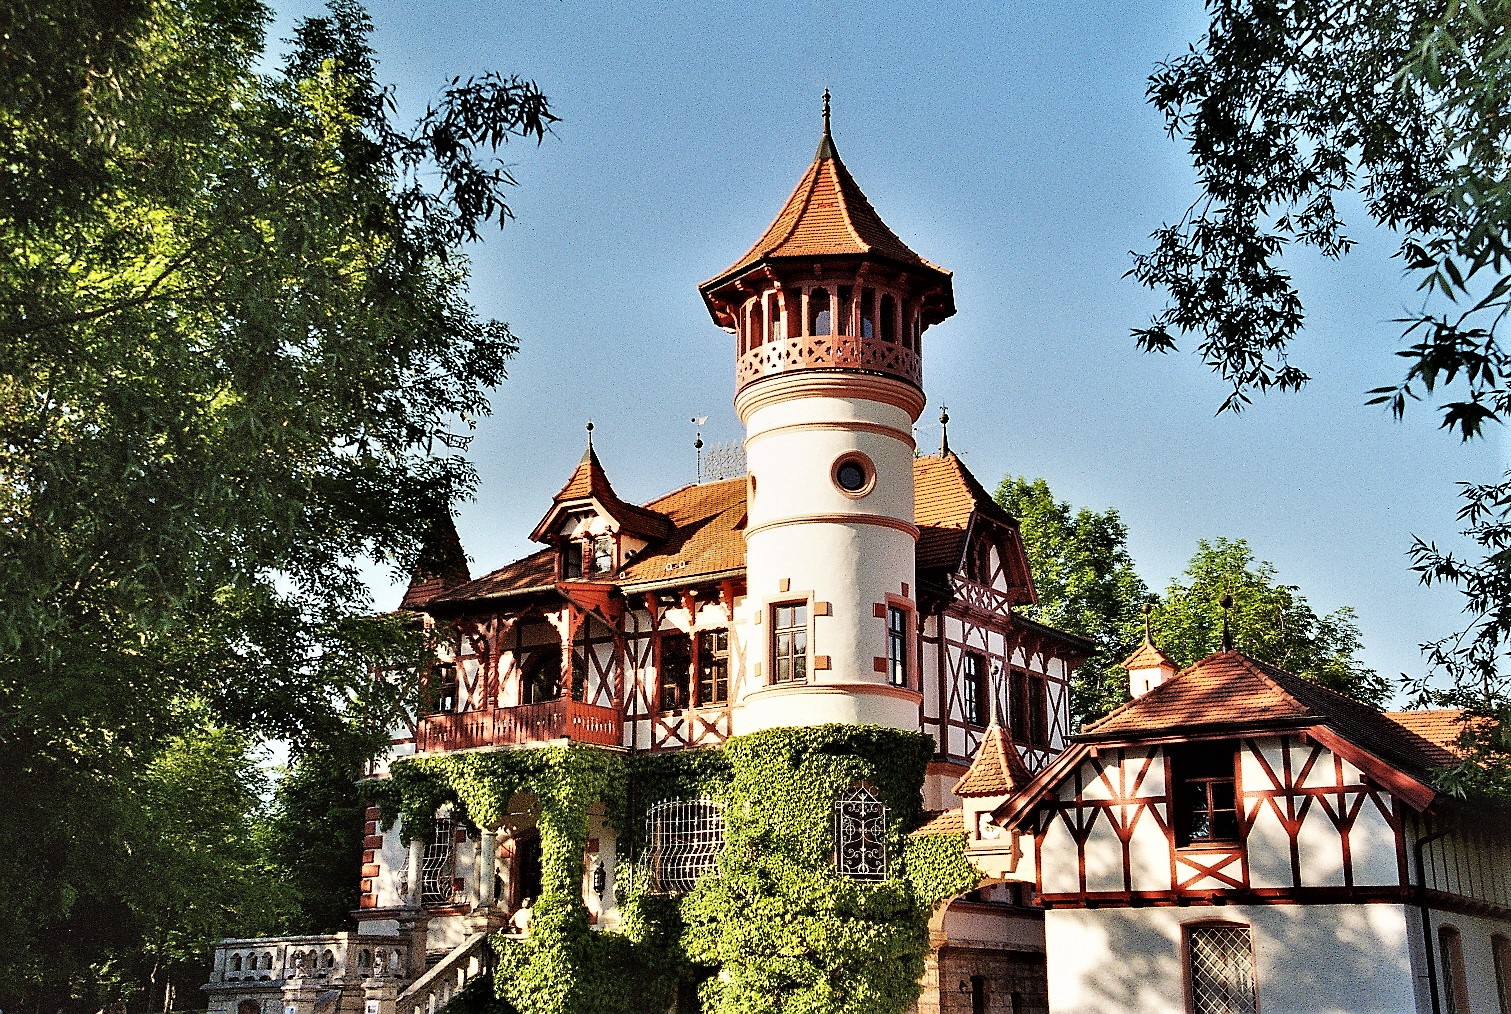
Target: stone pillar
(487,856)
(414,927)
(415,873)
(380,996)
(300,992)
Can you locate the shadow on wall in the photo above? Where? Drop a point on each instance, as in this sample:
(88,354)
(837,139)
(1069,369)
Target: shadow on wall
(1317,959)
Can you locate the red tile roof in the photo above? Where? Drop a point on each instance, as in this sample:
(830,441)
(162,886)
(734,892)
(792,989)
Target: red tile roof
(442,565)
(1229,690)
(997,769)
(706,531)
(1441,728)
(589,482)
(942,822)
(1149,657)
(826,215)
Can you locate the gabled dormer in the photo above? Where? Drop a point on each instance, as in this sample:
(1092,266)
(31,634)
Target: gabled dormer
(593,531)
(965,536)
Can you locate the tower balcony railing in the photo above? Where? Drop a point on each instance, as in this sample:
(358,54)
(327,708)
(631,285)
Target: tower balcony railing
(520,725)
(829,351)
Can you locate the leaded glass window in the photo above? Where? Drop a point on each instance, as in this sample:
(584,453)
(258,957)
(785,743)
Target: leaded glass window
(683,838)
(1222,969)
(860,835)
(437,864)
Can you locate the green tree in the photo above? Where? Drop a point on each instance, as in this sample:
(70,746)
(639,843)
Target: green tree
(1086,583)
(234,319)
(1289,106)
(1273,622)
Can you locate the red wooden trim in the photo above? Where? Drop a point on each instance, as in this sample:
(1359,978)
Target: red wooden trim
(1412,791)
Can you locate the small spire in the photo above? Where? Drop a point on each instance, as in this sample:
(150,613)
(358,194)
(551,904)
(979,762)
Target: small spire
(944,431)
(826,143)
(1227,631)
(1147,609)
(590,434)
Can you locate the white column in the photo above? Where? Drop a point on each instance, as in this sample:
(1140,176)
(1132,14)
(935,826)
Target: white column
(416,872)
(487,856)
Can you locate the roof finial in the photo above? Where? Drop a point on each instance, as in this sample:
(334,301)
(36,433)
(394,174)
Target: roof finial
(590,434)
(1227,632)
(944,431)
(1147,608)
(826,143)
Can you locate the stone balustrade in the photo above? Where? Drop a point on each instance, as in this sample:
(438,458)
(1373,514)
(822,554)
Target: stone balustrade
(336,958)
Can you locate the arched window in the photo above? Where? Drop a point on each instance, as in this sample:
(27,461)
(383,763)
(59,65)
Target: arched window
(846,311)
(757,328)
(236,962)
(888,319)
(1500,951)
(437,864)
(820,318)
(540,676)
(683,838)
(1220,969)
(860,835)
(1455,976)
(868,313)
(774,330)
(249,1007)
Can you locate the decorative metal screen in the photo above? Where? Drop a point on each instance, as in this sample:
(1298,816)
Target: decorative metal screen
(1222,970)
(683,838)
(860,835)
(437,865)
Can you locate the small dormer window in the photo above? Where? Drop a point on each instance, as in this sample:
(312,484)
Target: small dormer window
(571,559)
(599,554)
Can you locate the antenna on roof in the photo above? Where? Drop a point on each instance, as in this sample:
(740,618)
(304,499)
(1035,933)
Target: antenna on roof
(1227,631)
(698,421)
(944,431)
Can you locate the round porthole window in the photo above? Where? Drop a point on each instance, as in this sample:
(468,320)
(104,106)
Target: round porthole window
(854,474)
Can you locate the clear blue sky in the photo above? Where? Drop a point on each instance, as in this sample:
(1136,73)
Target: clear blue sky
(1008,142)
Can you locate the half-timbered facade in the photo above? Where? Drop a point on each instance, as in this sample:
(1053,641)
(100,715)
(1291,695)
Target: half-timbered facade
(843,579)
(1238,839)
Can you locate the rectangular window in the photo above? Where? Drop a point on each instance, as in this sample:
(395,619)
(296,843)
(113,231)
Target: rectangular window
(789,643)
(443,688)
(1203,793)
(1038,710)
(571,559)
(1017,705)
(897,646)
(975,688)
(1220,969)
(676,671)
(437,864)
(713,667)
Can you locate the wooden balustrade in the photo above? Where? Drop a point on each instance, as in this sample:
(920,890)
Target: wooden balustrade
(526,723)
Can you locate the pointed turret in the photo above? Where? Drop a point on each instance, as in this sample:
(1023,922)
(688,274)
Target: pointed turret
(589,490)
(440,567)
(1148,667)
(829,268)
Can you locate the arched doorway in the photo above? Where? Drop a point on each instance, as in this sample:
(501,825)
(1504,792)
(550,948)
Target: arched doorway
(526,879)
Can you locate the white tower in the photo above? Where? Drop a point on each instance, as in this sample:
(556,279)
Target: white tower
(828,309)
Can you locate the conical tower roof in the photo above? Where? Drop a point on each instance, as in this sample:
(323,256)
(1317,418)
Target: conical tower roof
(827,215)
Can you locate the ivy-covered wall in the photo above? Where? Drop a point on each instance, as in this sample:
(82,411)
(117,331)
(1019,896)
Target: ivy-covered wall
(775,928)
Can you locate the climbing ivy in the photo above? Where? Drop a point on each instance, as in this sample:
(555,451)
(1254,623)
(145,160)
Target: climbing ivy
(775,928)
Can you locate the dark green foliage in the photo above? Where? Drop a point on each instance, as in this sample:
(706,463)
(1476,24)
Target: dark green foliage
(1289,107)
(775,929)
(1086,584)
(1270,621)
(233,315)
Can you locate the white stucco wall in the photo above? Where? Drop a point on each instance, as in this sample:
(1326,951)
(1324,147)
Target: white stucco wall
(1321,959)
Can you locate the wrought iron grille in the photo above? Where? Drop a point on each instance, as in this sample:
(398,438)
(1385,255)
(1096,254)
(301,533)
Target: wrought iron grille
(437,865)
(1222,970)
(860,835)
(683,838)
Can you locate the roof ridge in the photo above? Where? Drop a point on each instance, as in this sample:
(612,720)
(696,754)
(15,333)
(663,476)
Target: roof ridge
(842,175)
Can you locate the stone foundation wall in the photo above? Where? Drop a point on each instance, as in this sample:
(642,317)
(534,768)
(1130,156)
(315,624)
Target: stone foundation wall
(1015,982)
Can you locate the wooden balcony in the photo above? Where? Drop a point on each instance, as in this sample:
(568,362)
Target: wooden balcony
(527,723)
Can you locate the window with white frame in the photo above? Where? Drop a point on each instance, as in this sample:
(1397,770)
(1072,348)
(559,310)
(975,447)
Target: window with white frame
(860,835)
(789,642)
(683,838)
(438,864)
(1220,969)
(897,646)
